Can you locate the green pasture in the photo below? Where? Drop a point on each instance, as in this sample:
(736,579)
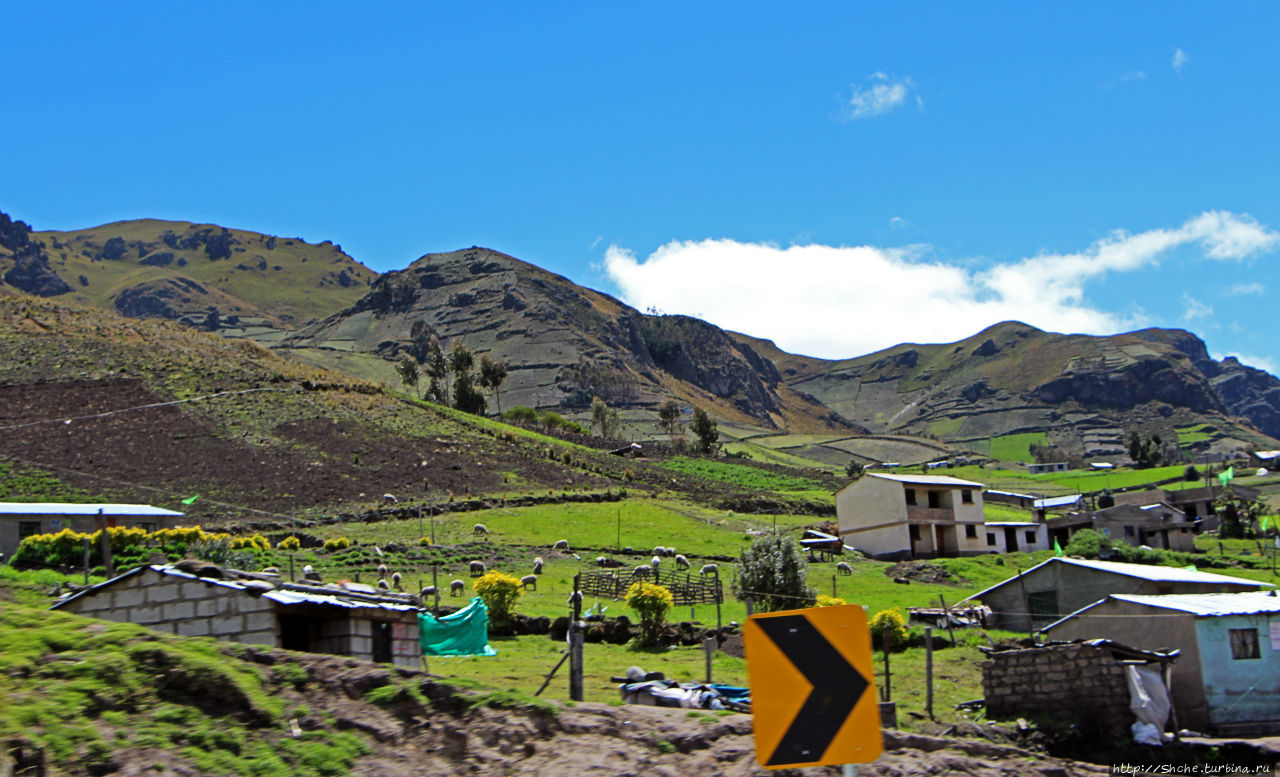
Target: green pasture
(1015,447)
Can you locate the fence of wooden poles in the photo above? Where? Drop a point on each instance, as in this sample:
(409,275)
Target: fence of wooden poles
(686,589)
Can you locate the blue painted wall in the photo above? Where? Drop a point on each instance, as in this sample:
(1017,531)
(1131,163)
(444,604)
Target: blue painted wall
(1239,690)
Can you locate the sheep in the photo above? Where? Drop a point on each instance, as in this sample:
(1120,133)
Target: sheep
(659,551)
(844,568)
(560,545)
(477,568)
(384,585)
(644,570)
(537,565)
(681,561)
(655,562)
(456,587)
(671,552)
(429,592)
(309,573)
(389,499)
(601,561)
(382,570)
(395,581)
(480,528)
(529,582)
(710,569)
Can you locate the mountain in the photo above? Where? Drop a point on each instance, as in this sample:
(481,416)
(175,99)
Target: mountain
(1085,392)
(229,280)
(563,344)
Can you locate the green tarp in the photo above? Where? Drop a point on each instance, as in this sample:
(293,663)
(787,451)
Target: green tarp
(464,633)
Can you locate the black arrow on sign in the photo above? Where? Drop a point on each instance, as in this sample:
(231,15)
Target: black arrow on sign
(837,687)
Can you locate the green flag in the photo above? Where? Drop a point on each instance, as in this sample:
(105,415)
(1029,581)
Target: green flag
(1227,474)
(1057,549)
(1266,521)
(190,500)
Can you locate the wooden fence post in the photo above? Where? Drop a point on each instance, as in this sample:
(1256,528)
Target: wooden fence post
(928,670)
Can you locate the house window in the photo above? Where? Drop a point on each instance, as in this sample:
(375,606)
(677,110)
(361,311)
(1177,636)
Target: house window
(971,532)
(28,528)
(1042,606)
(911,496)
(991,538)
(966,496)
(1244,643)
(1191,510)
(1031,536)
(149,528)
(381,642)
(935,499)
(914,531)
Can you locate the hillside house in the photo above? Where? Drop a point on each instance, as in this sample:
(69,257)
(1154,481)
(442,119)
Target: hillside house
(1196,503)
(1050,590)
(1227,678)
(352,620)
(1048,466)
(22,519)
(1154,525)
(1016,536)
(1024,501)
(912,516)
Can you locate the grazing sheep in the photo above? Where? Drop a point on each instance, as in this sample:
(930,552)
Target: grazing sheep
(395,580)
(389,499)
(659,551)
(382,570)
(671,552)
(601,561)
(655,562)
(644,570)
(309,573)
(681,561)
(537,565)
(477,568)
(560,545)
(456,587)
(844,568)
(480,528)
(384,585)
(428,592)
(709,569)
(530,582)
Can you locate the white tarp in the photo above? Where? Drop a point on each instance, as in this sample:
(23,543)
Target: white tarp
(1149,700)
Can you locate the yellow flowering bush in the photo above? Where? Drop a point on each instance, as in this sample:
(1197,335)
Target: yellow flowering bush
(499,592)
(651,602)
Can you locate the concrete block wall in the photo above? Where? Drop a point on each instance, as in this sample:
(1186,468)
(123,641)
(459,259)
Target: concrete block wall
(187,607)
(1080,682)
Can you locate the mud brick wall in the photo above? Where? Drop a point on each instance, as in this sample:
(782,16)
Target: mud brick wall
(1080,682)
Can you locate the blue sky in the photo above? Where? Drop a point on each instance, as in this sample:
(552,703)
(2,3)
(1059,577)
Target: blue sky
(838,177)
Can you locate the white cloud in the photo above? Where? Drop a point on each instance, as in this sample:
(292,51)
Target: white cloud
(881,94)
(1193,309)
(842,301)
(1132,75)
(1247,288)
(1180,59)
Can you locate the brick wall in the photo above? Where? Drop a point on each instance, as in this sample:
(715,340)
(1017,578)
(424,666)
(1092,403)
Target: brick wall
(190,608)
(1079,682)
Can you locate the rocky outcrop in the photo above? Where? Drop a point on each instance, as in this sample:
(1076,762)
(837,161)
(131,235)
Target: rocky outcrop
(29,268)
(1249,392)
(1145,380)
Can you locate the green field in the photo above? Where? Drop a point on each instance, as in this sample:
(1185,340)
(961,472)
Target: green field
(1015,447)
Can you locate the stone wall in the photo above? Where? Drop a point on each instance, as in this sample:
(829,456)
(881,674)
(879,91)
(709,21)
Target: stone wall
(190,608)
(1078,682)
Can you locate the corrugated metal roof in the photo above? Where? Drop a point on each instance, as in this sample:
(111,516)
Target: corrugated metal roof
(281,594)
(69,508)
(1057,501)
(1010,493)
(927,480)
(1210,605)
(1143,571)
(1157,573)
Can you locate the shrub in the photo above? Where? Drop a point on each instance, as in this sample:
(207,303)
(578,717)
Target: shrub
(895,622)
(651,602)
(499,592)
(337,543)
(772,573)
(424,542)
(289,543)
(829,601)
(522,414)
(252,542)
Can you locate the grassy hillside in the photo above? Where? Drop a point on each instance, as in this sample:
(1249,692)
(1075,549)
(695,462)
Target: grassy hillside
(268,282)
